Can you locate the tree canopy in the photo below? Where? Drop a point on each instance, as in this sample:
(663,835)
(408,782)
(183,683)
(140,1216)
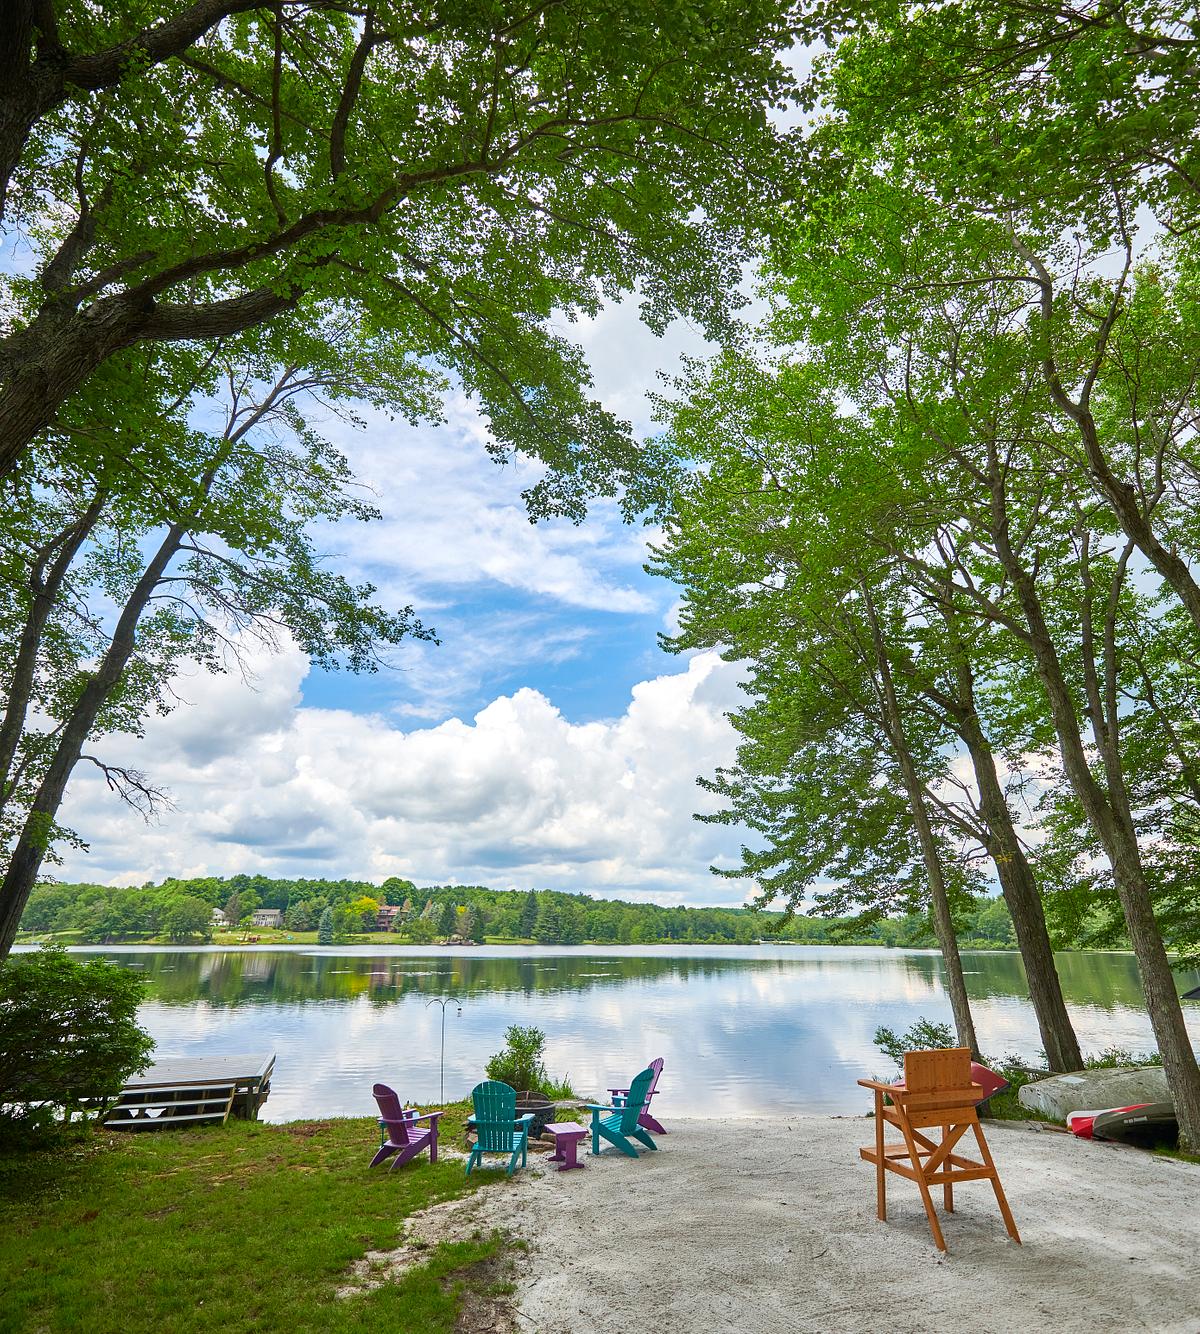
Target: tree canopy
(463,177)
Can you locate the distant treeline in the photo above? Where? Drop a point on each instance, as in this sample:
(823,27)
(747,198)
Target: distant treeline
(342,909)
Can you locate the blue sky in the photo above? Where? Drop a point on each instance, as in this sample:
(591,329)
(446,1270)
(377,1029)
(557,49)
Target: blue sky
(546,742)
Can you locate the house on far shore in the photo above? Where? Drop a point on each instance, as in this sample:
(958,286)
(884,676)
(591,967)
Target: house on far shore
(389,915)
(219,919)
(267,917)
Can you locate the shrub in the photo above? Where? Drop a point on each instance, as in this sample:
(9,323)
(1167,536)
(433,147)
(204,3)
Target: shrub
(924,1035)
(520,1063)
(68,1032)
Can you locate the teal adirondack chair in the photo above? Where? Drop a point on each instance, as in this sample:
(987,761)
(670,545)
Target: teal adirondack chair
(498,1129)
(619,1125)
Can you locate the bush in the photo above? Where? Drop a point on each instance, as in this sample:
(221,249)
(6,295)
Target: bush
(520,1064)
(68,1032)
(924,1035)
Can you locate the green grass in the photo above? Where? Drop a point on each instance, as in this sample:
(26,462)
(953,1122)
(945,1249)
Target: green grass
(241,1227)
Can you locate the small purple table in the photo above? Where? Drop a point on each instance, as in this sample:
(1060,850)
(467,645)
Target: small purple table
(567,1135)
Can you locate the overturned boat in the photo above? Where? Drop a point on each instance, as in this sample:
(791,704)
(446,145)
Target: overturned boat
(1147,1125)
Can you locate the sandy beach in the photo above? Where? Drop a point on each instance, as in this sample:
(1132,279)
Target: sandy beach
(765,1226)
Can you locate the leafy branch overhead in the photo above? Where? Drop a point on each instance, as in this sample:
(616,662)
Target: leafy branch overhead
(462,178)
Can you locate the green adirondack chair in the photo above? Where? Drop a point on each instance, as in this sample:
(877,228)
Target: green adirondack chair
(498,1129)
(619,1125)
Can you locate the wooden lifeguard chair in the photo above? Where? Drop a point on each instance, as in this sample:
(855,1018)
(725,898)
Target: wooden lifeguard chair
(937,1092)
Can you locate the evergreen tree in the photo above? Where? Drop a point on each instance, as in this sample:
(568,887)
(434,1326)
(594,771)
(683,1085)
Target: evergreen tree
(448,919)
(325,929)
(529,915)
(297,918)
(547,930)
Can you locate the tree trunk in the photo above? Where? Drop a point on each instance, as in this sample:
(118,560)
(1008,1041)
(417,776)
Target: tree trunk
(31,845)
(943,919)
(1017,882)
(1024,903)
(46,578)
(1118,839)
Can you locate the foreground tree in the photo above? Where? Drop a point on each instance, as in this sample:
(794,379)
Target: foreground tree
(861,690)
(988,510)
(462,177)
(68,1032)
(215,555)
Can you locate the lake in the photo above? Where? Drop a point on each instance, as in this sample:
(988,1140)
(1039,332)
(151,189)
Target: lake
(744,1030)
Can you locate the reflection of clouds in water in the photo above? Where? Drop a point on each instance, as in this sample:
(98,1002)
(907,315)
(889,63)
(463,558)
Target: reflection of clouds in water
(774,1029)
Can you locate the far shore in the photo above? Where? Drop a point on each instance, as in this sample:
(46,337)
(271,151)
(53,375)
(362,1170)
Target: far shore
(270,936)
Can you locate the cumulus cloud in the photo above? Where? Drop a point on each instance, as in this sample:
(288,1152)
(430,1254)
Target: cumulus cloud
(453,521)
(515,796)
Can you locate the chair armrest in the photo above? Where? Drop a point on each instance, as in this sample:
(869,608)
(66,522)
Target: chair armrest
(597,1107)
(893,1089)
(426,1116)
(527,1119)
(614,1092)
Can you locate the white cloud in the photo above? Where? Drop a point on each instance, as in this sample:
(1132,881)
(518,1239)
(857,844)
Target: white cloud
(517,796)
(453,522)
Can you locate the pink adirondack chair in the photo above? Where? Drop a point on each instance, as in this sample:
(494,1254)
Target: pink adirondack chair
(645,1119)
(400,1130)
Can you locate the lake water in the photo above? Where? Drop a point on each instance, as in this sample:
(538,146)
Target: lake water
(743,1029)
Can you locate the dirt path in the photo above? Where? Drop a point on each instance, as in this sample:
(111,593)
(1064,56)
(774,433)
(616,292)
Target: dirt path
(762,1227)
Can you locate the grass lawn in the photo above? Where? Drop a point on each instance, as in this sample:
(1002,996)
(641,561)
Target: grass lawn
(239,1227)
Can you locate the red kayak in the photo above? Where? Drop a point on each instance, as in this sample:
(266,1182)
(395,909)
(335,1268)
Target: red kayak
(1144,1124)
(1083,1124)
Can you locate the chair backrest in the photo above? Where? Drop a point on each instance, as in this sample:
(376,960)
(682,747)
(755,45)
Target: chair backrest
(636,1100)
(948,1069)
(495,1115)
(656,1065)
(391,1113)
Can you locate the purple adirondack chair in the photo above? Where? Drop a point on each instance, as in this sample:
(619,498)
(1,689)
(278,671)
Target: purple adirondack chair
(400,1131)
(645,1120)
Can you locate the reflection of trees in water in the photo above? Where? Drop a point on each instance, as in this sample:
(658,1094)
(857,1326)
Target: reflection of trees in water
(1107,981)
(231,978)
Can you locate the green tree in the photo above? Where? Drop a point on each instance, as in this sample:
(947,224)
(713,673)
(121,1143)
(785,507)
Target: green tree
(447,919)
(188,918)
(366,910)
(420,930)
(298,917)
(547,930)
(197,574)
(394,890)
(469,924)
(529,916)
(460,179)
(325,928)
(68,1030)
(989,498)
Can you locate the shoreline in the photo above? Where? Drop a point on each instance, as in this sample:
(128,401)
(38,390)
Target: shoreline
(388,941)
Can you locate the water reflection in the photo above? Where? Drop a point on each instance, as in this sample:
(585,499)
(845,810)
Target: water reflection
(766,1029)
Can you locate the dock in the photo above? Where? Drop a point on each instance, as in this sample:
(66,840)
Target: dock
(198,1090)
